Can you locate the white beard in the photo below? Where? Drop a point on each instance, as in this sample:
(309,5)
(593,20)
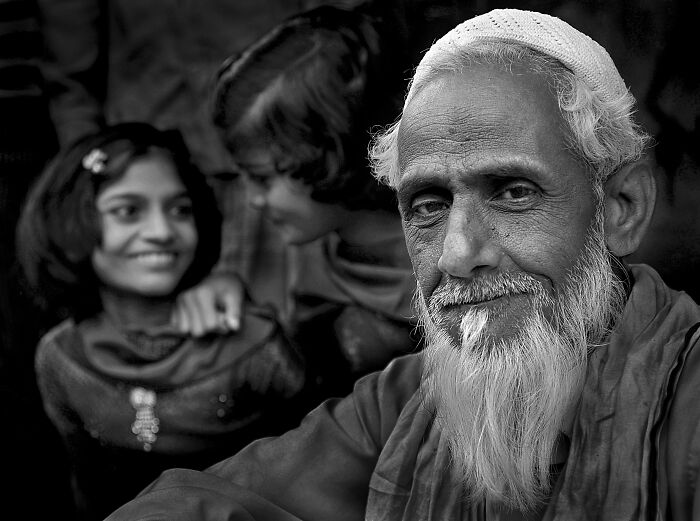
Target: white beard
(503,402)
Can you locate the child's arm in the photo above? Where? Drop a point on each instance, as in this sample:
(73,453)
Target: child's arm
(214,305)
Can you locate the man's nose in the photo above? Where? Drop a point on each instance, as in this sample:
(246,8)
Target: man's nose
(469,246)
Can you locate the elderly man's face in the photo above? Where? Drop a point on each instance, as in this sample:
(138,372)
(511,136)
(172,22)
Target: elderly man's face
(487,187)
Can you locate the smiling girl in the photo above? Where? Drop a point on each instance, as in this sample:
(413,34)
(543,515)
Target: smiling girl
(117,226)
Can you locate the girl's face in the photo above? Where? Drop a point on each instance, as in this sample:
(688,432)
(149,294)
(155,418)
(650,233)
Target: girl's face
(287,202)
(148,231)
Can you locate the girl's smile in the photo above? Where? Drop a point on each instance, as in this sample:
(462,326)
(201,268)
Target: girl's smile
(148,230)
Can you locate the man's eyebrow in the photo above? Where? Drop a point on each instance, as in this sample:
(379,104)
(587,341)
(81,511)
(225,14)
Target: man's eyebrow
(515,170)
(431,176)
(418,180)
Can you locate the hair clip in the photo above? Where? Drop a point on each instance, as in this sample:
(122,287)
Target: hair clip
(94,161)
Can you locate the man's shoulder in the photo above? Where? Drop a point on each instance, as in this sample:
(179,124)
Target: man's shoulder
(681,433)
(654,308)
(399,380)
(675,328)
(379,399)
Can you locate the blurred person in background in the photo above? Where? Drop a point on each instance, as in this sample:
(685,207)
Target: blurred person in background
(120,223)
(127,60)
(295,110)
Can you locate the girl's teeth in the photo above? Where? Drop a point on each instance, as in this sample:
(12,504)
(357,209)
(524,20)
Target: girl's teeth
(156,258)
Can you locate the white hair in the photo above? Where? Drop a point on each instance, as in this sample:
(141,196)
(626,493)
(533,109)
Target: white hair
(602,133)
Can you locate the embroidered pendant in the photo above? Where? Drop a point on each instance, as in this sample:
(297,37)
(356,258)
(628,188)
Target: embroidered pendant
(145,425)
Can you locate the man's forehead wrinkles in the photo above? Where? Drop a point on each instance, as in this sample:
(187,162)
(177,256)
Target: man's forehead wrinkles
(417,150)
(435,148)
(445,144)
(457,135)
(461,168)
(448,121)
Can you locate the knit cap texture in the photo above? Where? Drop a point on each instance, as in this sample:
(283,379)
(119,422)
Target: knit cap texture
(544,33)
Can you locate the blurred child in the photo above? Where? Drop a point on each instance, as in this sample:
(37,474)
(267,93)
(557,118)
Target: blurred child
(295,111)
(116,227)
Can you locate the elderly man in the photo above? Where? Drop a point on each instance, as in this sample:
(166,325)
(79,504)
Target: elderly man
(557,382)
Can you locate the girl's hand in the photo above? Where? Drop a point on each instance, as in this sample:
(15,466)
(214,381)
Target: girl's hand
(215,305)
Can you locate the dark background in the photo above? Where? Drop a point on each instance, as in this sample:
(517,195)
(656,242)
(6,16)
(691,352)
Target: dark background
(654,44)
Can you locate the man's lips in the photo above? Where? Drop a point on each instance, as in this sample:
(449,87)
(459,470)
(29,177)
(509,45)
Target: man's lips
(485,303)
(479,302)
(493,305)
(505,314)
(501,306)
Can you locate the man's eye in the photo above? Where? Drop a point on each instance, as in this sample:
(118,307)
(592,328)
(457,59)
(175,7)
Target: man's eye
(516,193)
(428,205)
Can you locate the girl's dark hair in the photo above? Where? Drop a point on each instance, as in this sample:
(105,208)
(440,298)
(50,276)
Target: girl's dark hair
(321,86)
(59,227)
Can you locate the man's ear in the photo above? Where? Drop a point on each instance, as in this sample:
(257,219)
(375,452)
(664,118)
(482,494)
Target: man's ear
(630,195)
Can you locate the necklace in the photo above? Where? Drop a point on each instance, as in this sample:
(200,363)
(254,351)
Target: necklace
(145,426)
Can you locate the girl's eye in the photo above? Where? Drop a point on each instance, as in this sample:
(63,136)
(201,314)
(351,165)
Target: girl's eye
(124,212)
(183,209)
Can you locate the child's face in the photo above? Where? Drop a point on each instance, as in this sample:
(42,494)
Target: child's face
(148,231)
(287,202)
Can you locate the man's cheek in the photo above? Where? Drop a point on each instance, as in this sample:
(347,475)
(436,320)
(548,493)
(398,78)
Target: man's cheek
(424,251)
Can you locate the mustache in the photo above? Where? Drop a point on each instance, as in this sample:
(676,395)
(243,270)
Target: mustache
(454,291)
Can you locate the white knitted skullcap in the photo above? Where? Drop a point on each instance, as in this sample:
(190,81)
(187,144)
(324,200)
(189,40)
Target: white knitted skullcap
(546,34)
